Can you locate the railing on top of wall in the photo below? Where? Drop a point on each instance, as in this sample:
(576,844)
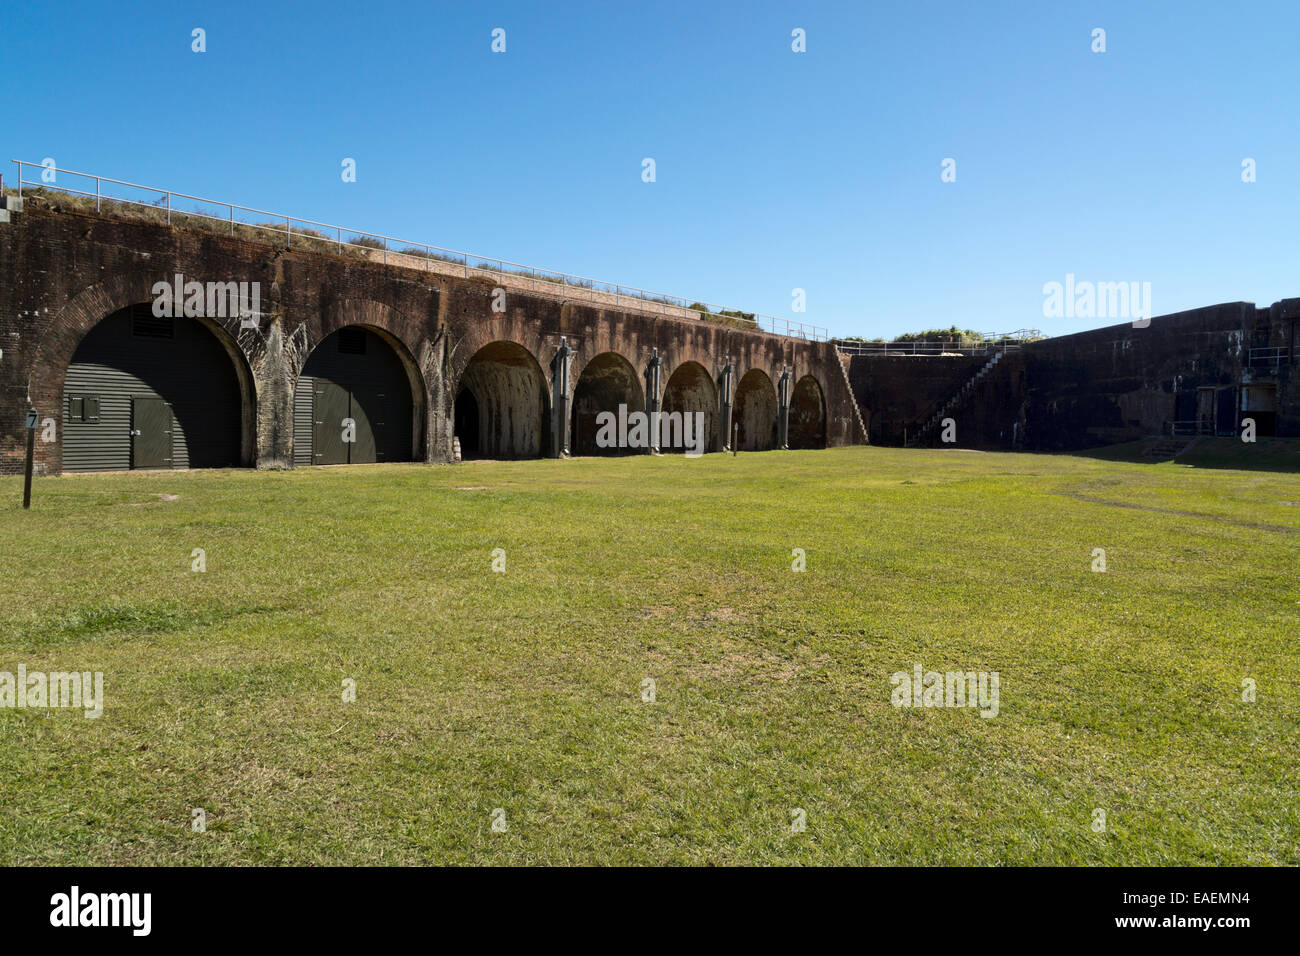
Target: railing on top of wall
(992,342)
(1266,358)
(322,236)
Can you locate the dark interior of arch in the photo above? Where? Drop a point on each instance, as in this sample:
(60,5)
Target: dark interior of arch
(501,407)
(755,412)
(691,389)
(807,415)
(467,423)
(607,382)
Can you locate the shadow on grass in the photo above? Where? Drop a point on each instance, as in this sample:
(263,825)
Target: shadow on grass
(92,622)
(1264,454)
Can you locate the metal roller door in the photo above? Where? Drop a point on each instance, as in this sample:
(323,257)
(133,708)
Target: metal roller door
(130,369)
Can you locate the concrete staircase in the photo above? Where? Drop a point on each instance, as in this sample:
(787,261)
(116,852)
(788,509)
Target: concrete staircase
(1166,448)
(857,412)
(935,420)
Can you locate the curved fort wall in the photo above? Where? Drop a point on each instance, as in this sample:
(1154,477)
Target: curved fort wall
(63,273)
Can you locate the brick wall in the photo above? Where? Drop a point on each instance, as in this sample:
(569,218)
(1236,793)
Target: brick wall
(61,272)
(1099,387)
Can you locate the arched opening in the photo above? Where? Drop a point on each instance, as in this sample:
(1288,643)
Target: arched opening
(755,412)
(807,415)
(608,381)
(501,407)
(356,401)
(690,391)
(148,392)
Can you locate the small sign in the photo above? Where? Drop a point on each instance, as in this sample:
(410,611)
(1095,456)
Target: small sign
(32,419)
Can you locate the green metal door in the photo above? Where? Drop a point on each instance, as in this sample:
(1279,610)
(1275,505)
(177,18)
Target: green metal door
(151,433)
(368,411)
(330,411)
(371,388)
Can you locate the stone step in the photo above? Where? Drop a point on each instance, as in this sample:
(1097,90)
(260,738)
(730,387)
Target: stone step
(857,411)
(1168,447)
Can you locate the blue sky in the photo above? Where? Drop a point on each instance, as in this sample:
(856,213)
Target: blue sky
(774,170)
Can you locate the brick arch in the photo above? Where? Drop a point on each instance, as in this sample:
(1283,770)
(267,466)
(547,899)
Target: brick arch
(807,413)
(400,332)
(710,347)
(583,358)
(465,344)
(690,387)
(508,411)
(397,327)
(601,382)
(87,309)
(755,409)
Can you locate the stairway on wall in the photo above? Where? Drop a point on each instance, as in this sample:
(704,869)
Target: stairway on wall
(955,402)
(853,399)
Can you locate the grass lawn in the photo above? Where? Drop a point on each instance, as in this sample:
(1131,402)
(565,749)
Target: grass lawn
(522,690)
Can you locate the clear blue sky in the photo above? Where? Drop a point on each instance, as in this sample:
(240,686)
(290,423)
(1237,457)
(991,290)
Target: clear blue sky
(775,170)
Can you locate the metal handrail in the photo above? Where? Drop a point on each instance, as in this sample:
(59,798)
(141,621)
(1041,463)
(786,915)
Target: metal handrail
(923,348)
(1264,357)
(1190,426)
(992,341)
(431,253)
(910,348)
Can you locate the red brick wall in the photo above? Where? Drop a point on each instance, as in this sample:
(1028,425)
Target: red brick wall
(64,271)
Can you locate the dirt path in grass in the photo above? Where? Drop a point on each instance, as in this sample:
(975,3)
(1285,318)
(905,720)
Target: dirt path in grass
(1254,525)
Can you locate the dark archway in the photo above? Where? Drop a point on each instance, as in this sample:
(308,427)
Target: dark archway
(807,415)
(690,390)
(144,391)
(466,424)
(755,412)
(608,381)
(502,404)
(355,401)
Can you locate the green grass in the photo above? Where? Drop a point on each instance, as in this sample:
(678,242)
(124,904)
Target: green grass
(522,690)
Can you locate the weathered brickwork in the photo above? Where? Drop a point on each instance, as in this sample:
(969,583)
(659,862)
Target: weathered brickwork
(62,272)
(1099,387)
(1121,383)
